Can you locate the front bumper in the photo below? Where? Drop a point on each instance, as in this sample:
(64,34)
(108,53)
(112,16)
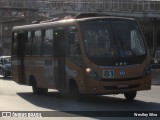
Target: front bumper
(117,86)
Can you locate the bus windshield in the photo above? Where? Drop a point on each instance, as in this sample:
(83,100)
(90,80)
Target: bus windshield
(112,38)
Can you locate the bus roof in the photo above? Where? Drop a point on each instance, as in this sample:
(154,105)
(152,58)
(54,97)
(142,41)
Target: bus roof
(63,22)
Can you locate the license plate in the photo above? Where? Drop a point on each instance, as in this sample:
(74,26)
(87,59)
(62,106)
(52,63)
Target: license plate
(123,86)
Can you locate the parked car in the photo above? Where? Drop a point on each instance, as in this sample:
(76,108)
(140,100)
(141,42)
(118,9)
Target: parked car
(5,66)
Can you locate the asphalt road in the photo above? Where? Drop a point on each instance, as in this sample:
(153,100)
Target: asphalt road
(19,98)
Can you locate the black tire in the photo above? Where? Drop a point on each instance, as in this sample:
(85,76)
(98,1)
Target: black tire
(130,95)
(74,91)
(37,90)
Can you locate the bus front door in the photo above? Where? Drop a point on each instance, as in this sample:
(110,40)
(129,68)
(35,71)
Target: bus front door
(20,57)
(60,48)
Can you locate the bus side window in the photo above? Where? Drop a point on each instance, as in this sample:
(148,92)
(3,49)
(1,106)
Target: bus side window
(28,43)
(74,48)
(48,42)
(37,40)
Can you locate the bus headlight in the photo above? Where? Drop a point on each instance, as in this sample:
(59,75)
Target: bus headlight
(147,70)
(92,73)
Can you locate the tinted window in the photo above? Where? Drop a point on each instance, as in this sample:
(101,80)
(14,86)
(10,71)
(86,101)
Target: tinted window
(108,41)
(48,42)
(28,44)
(37,41)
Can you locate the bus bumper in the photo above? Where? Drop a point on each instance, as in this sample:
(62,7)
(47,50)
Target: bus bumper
(103,87)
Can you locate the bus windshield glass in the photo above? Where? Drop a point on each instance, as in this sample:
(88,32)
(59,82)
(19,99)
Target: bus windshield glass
(112,38)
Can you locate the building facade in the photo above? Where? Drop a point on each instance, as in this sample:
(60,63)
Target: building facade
(13,13)
(20,12)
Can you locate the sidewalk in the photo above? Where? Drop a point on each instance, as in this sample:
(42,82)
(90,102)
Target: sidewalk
(156,76)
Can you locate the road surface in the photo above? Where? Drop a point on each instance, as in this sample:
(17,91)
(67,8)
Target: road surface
(19,98)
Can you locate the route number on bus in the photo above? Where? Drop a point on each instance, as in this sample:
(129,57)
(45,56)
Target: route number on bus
(108,73)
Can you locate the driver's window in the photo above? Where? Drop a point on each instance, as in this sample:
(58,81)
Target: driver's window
(137,42)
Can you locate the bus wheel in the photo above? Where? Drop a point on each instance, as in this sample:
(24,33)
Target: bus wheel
(37,90)
(74,91)
(130,95)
